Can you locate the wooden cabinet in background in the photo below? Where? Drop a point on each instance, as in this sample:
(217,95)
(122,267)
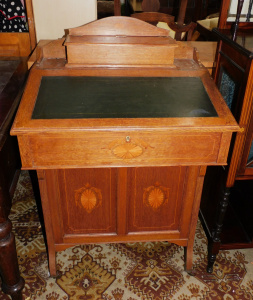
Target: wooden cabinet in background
(12,79)
(230,188)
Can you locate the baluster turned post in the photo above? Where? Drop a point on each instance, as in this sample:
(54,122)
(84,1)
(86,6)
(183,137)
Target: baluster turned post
(237,19)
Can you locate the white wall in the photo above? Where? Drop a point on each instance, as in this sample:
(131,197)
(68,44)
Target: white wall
(53,16)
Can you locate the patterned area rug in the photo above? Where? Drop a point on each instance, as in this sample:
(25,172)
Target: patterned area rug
(136,271)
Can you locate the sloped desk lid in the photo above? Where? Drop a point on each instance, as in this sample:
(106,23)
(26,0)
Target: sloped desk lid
(121,97)
(181,96)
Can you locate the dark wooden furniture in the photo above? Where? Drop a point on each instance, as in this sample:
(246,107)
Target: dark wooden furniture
(182,32)
(204,9)
(155,6)
(205,29)
(223,20)
(120,149)
(150,5)
(12,77)
(15,47)
(184,11)
(117,8)
(228,188)
(153,17)
(228,19)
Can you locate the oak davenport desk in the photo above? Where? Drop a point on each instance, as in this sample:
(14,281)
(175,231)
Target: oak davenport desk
(120,132)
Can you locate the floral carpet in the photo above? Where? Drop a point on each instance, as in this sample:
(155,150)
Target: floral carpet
(136,271)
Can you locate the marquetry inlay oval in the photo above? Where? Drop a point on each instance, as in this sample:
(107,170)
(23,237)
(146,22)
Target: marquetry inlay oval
(155,196)
(127,151)
(88,197)
(128,148)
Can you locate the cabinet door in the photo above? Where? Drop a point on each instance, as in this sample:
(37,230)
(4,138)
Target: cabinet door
(87,200)
(120,205)
(155,198)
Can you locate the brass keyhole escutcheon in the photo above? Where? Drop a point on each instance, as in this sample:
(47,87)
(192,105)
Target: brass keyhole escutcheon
(128,139)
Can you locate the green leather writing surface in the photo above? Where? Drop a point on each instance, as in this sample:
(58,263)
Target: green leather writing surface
(70,97)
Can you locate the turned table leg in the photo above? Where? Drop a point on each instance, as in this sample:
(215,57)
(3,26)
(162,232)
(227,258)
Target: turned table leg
(235,26)
(12,282)
(214,243)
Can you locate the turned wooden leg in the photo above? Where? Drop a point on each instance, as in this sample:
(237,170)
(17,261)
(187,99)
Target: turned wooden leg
(235,25)
(214,242)
(12,282)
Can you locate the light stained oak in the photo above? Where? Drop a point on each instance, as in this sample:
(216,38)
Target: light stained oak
(121,179)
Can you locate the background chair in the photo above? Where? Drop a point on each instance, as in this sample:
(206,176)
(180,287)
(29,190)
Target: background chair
(153,17)
(183,32)
(154,6)
(179,32)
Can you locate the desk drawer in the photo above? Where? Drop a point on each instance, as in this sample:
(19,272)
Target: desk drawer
(100,149)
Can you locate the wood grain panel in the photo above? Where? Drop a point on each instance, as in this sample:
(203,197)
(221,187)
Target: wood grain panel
(15,44)
(121,149)
(88,200)
(155,198)
(121,54)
